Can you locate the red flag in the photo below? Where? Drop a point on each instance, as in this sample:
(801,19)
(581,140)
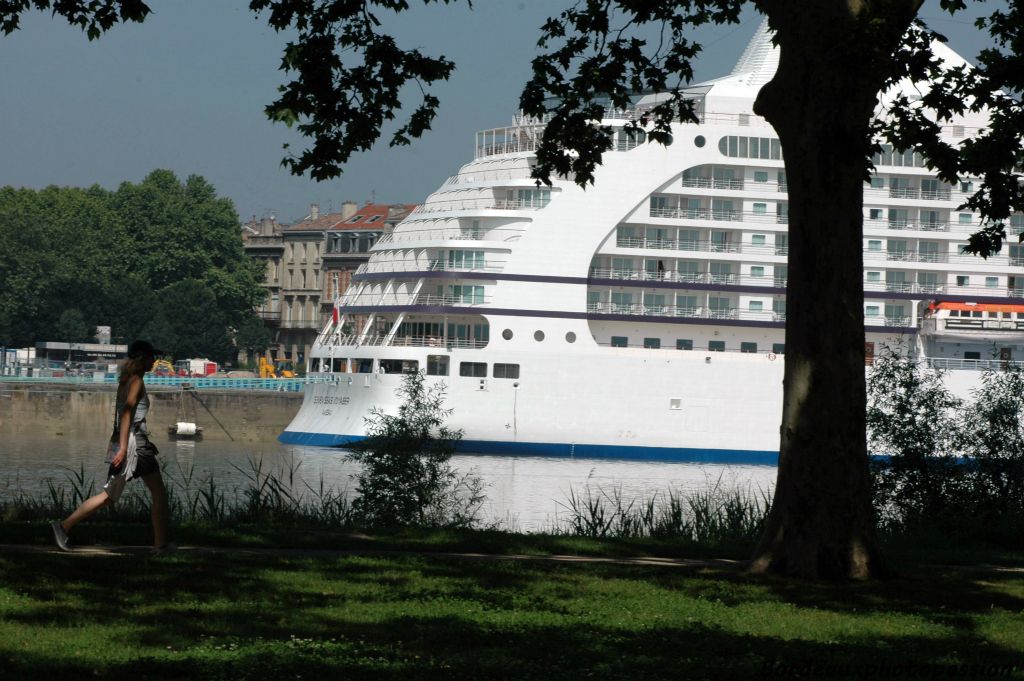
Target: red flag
(334,315)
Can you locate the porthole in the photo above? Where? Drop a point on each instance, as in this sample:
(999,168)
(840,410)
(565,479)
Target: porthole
(507,334)
(538,335)
(570,337)
(699,141)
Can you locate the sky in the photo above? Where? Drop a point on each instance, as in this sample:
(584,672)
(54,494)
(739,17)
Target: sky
(185,91)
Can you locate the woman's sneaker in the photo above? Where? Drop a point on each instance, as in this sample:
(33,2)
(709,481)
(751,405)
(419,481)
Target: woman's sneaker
(60,537)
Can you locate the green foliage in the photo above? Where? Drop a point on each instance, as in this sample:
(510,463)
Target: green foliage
(160,258)
(72,327)
(407,478)
(954,466)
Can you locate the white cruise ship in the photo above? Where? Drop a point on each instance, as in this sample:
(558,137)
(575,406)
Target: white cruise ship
(644,317)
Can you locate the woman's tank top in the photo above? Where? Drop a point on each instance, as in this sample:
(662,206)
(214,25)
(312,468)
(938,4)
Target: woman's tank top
(138,416)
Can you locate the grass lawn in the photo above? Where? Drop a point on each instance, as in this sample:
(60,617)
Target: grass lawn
(239,616)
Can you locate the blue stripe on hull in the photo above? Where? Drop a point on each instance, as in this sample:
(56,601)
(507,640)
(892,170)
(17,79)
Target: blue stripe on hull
(559,449)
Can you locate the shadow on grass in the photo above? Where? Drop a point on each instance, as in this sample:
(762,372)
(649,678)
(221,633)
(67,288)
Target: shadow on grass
(421,617)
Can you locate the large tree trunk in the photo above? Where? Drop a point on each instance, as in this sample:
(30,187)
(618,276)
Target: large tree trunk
(833,61)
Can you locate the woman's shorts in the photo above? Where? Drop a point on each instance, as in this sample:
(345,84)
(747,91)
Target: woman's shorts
(145,464)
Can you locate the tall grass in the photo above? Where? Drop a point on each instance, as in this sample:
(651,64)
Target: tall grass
(714,514)
(263,494)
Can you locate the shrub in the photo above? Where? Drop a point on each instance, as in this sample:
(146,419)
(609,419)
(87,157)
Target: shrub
(407,477)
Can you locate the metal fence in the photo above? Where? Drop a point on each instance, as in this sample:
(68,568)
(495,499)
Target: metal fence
(207,383)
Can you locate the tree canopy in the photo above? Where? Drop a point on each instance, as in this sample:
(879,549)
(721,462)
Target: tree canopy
(161,259)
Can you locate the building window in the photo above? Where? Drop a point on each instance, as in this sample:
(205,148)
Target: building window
(967,187)
(758,240)
(962,280)
(473,369)
(874,245)
(779,348)
(760,176)
(760,209)
(506,370)
(873,277)
(716,346)
(875,213)
(966,218)
(620,341)
(877,182)
(652,343)
(684,344)
(748,346)
(755,306)
(991,282)
(756,271)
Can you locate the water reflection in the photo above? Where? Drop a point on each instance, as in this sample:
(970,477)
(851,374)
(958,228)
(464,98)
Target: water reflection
(527,492)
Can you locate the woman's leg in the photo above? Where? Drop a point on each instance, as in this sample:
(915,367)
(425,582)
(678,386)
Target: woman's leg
(85,509)
(155,482)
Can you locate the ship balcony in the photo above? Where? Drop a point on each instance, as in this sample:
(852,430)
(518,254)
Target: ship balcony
(914,193)
(483,204)
(909,225)
(686,277)
(409,341)
(712,183)
(428,266)
(644,310)
(456,234)
(699,246)
(720,215)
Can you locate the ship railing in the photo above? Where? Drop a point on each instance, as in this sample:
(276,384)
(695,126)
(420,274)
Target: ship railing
(722,215)
(947,363)
(479,204)
(900,225)
(456,234)
(202,383)
(460,301)
(699,245)
(700,312)
(508,140)
(421,341)
(891,320)
(435,265)
(673,276)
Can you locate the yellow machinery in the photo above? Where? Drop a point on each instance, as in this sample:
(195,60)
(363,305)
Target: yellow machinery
(282,369)
(162,367)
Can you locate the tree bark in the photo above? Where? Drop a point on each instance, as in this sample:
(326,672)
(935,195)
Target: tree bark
(834,58)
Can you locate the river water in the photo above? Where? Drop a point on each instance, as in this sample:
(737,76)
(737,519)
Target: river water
(525,493)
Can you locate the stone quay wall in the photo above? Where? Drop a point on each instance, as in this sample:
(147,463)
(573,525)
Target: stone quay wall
(248,415)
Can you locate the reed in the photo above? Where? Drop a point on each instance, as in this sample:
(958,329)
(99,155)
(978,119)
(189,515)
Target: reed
(711,515)
(263,494)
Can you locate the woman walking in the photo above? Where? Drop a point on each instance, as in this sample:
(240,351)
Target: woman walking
(130,453)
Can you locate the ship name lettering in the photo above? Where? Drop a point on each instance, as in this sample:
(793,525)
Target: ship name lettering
(330,399)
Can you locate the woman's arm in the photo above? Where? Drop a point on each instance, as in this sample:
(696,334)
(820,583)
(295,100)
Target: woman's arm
(124,419)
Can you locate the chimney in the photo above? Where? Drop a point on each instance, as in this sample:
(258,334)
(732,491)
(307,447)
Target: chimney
(314,211)
(348,209)
(267,227)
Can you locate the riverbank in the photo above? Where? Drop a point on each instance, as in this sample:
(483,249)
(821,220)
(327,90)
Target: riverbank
(68,409)
(244,614)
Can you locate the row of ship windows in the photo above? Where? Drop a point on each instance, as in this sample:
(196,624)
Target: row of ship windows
(687,344)
(735,146)
(437,365)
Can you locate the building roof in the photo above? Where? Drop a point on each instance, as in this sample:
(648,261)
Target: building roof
(374,215)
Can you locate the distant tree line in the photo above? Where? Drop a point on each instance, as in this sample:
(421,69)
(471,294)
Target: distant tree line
(161,260)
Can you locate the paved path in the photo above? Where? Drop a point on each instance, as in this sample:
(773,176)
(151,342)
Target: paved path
(87,551)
